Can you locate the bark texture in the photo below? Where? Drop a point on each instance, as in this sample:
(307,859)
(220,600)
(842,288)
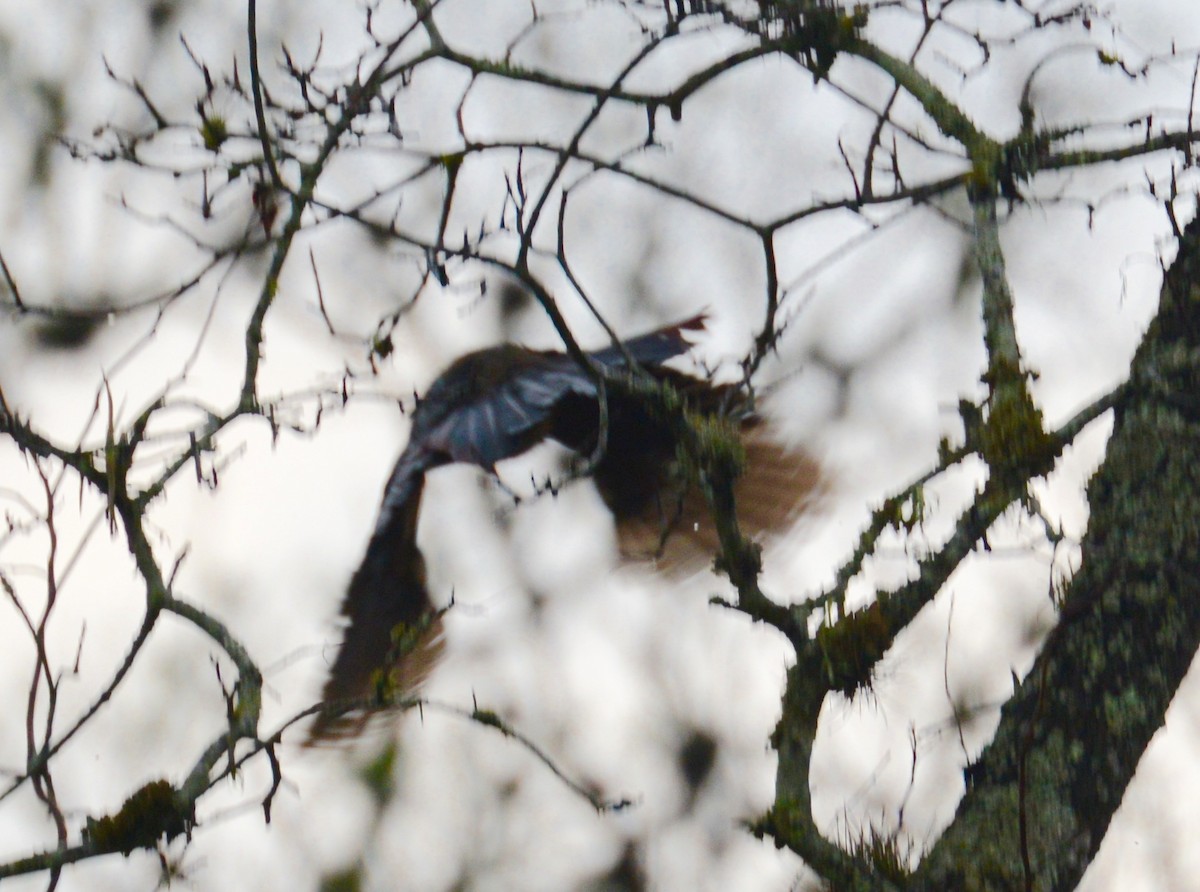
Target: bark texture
(1040,800)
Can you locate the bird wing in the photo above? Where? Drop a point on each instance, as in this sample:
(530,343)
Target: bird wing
(516,392)
(391,625)
(651,349)
(512,416)
(675,530)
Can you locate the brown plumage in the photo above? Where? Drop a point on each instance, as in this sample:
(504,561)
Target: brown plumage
(497,403)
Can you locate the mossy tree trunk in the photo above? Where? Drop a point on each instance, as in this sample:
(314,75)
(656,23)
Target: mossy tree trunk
(1040,798)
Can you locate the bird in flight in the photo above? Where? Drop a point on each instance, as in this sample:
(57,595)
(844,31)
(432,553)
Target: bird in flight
(500,402)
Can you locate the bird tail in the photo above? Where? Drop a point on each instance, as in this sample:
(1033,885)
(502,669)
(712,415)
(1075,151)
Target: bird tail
(393,637)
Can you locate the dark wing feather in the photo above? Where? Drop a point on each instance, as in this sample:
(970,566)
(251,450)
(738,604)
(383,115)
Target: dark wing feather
(387,601)
(651,349)
(504,399)
(511,417)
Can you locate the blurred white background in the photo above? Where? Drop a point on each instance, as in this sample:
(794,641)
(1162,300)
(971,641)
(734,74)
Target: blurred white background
(609,669)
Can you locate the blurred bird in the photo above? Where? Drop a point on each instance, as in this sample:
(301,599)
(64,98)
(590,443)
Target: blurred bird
(500,402)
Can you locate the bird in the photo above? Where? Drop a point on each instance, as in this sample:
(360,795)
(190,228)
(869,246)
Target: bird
(499,402)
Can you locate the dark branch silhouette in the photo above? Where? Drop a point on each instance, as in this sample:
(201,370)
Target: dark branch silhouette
(256,162)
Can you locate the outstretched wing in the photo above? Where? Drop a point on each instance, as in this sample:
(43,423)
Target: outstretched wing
(674,528)
(651,349)
(391,625)
(498,403)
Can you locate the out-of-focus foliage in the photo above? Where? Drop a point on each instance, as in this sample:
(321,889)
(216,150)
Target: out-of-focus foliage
(928,235)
